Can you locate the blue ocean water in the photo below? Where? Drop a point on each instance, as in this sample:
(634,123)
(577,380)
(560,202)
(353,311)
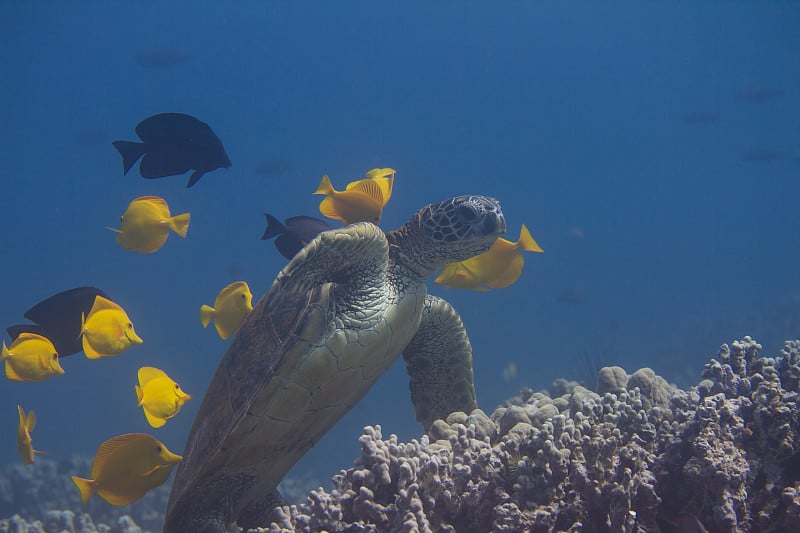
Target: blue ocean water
(652,149)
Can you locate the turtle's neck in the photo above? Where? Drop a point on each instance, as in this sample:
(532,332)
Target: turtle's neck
(409,265)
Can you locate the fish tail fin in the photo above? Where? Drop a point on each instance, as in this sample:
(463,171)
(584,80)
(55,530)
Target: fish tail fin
(180,224)
(130,152)
(526,241)
(85,486)
(206,314)
(274,227)
(196,175)
(325,186)
(4,353)
(139,395)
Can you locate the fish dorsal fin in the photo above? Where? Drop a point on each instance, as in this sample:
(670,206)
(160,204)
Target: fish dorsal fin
(112,446)
(22,418)
(156,201)
(226,293)
(27,336)
(526,241)
(149,373)
(369,188)
(30,421)
(101,304)
(384,177)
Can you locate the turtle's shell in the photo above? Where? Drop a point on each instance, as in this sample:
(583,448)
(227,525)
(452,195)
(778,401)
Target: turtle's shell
(300,354)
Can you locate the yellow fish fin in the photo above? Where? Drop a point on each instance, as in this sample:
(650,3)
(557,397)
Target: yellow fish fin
(149,373)
(180,224)
(325,186)
(4,353)
(156,201)
(85,486)
(369,187)
(120,499)
(139,395)
(379,173)
(509,274)
(526,241)
(30,421)
(12,374)
(90,352)
(206,314)
(115,230)
(101,303)
(153,420)
(327,208)
(223,332)
(230,290)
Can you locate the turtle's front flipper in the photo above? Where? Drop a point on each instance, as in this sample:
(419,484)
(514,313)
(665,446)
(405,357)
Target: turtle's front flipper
(359,255)
(439,364)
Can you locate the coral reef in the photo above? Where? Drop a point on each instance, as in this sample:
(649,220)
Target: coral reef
(634,455)
(637,455)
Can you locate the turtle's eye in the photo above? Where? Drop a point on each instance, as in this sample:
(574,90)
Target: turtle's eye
(467,213)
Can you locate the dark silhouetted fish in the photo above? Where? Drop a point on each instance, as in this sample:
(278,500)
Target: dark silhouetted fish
(295,234)
(761,155)
(271,168)
(59,318)
(756,94)
(700,117)
(160,57)
(174,143)
(573,296)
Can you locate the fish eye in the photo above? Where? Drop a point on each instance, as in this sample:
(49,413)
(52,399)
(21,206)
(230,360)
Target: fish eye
(55,356)
(177,386)
(130,325)
(158,449)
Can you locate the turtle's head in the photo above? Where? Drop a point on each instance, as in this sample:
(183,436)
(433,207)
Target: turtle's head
(453,230)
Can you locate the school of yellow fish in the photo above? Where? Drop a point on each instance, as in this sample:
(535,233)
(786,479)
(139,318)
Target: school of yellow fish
(125,467)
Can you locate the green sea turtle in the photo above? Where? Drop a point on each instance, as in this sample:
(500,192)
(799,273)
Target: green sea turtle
(336,317)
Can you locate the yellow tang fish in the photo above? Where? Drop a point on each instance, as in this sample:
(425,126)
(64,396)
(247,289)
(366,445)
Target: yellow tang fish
(145,225)
(361,201)
(231,307)
(125,467)
(24,441)
(498,267)
(107,330)
(31,357)
(159,396)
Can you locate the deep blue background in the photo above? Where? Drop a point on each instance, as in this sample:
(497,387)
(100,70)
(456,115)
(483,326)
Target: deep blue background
(573,114)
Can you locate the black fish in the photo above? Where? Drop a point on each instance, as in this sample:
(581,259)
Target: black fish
(173,144)
(293,236)
(160,57)
(59,318)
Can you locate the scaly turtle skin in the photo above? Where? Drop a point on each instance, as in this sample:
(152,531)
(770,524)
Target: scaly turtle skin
(336,317)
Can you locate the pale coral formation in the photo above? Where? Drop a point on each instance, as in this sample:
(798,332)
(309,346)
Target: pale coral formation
(636,455)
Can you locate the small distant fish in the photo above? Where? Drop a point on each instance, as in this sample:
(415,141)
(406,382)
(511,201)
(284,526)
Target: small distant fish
(231,307)
(755,93)
(59,318)
(145,224)
(361,201)
(696,118)
(764,155)
(31,357)
(498,267)
(159,396)
(510,372)
(160,57)
(573,296)
(174,143)
(24,441)
(107,330)
(576,233)
(294,234)
(271,168)
(126,467)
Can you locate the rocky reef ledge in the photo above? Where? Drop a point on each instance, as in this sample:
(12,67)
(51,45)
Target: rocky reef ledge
(634,455)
